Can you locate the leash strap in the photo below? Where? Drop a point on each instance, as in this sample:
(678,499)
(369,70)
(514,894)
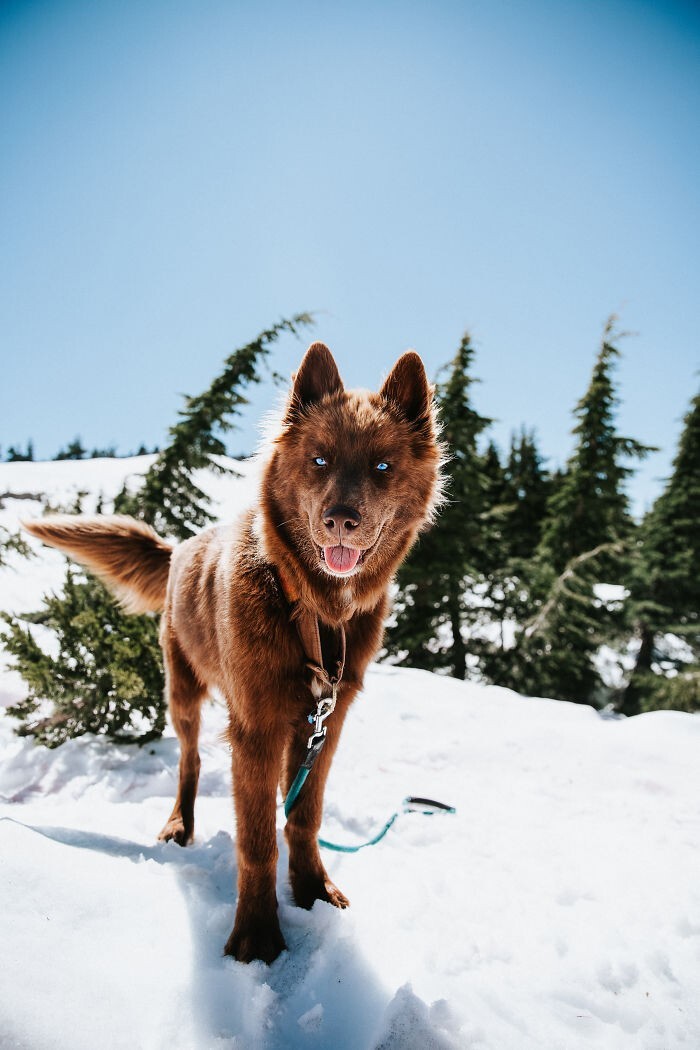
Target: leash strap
(428,807)
(309,632)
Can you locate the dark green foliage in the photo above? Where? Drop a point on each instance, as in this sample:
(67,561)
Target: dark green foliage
(585,538)
(73,450)
(554,648)
(16,455)
(495,513)
(671,534)
(590,507)
(678,693)
(170,498)
(508,585)
(527,489)
(496,491)
(433,601)
(665,572)
(12,542)
(106,678)
(586,532)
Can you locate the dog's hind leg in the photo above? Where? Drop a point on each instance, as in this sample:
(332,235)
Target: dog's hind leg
(185,694)
(309,879)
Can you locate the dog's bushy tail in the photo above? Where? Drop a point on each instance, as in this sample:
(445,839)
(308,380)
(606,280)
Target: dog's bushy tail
(125,553)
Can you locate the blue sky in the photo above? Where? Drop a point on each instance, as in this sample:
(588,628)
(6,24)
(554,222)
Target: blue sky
(175,176)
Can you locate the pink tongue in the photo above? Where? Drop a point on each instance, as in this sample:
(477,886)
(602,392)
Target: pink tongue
(341,559)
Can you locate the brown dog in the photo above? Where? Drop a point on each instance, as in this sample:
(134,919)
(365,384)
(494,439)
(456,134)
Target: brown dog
(275,609)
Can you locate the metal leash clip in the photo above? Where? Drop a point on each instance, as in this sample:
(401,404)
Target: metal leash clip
(324,708)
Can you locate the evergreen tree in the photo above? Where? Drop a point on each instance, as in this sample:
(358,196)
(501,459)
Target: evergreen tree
(16,455)
(495,515)
(665,588)
(554,650)
(432,606)
(73,450)
(170,499)
(12,542)
(590,507)
(495,482)
(514,522)
(107,676)
(528,488)
(586,527)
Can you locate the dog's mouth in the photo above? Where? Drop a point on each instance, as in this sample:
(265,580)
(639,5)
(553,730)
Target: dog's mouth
(340,560)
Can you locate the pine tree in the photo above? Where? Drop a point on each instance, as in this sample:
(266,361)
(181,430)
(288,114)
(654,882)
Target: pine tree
(495,482)
(554,652)
(590,506)
(432,606)
(528,488)
(584,537)
(170,499)
(73,450)
(16,455)
(12,542)
(107,676)
(665,588)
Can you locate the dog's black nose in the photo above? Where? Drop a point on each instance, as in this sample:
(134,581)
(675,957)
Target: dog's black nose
(341,517)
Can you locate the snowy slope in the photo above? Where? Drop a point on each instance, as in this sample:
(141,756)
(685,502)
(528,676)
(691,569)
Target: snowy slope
(559,907)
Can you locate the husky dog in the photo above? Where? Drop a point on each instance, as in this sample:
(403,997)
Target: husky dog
(281,611)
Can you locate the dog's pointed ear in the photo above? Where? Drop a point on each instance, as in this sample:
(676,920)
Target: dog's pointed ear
(318,376)
(408,388)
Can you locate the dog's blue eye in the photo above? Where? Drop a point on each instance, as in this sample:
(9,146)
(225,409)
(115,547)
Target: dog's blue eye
(320,461)
(382,466)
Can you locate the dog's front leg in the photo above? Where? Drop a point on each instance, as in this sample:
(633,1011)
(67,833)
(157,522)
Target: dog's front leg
(256,759)
(308,877)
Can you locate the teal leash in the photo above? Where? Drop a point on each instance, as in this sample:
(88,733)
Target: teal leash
(314,746)
(427,806)
(412,804)
(325,844)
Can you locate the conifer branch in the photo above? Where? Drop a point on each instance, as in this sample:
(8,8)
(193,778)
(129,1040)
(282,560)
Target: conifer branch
(559,586)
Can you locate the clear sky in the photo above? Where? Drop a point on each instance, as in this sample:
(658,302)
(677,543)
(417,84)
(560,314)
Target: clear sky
(176,176)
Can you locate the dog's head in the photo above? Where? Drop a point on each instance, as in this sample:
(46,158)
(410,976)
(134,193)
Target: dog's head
(354,475)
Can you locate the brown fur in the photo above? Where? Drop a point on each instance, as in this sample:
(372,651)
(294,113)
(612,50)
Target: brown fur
(135,561)
(226,621)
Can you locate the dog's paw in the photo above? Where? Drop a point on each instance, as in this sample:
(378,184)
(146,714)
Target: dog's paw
(262,941)
(175,830)
(310,888)
(335,897)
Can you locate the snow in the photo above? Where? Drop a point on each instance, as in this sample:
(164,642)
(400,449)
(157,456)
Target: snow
(558,908)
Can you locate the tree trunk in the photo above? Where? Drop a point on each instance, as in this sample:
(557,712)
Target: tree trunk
(630,704)
(459,649)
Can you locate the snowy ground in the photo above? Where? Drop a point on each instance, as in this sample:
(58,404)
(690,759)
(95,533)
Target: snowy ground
(558,909)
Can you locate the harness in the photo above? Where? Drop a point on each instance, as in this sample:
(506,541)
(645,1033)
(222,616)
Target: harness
(326,663)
